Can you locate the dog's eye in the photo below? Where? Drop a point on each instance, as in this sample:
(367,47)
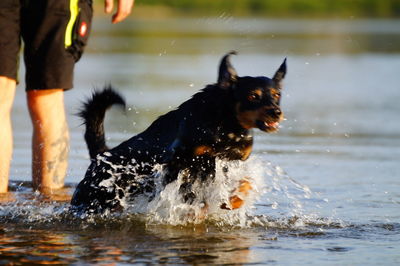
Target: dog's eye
(276,94)
(254,96)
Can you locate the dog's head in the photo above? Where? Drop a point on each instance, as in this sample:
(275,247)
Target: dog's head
(257,99)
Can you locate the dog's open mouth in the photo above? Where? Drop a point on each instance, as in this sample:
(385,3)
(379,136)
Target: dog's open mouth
(268,126)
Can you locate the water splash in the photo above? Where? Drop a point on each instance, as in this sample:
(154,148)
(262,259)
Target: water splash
(168,207)
(274,200)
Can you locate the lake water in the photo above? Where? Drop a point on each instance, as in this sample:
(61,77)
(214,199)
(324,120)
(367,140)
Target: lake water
(328,183)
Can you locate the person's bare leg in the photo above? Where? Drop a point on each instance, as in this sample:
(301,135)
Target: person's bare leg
(7,92)
(50,140)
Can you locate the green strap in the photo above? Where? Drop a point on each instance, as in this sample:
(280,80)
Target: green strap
(74,10)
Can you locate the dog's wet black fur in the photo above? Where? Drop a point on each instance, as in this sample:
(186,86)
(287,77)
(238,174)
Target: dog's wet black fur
(214,124)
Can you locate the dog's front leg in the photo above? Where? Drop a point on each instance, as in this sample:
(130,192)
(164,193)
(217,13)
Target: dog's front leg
(187,177)
(172,170)
(201,168)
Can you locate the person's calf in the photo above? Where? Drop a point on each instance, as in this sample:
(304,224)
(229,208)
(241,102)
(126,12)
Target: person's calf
(50,140)
(7,92)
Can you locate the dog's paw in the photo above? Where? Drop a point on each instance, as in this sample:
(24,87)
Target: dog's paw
(198,214)
(239,194)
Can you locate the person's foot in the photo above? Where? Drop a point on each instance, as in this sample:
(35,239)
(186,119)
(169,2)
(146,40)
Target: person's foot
(60,194)
(7,197)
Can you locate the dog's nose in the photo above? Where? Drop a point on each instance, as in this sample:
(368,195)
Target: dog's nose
(275,112)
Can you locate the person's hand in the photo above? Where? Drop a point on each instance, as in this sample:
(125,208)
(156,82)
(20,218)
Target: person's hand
(123,10)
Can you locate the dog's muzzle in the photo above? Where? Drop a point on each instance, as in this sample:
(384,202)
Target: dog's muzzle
(270,120)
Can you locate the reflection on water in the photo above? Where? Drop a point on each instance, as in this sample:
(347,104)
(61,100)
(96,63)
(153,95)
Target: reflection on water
(35,247)
(144,245)
(128,239)
(335,199)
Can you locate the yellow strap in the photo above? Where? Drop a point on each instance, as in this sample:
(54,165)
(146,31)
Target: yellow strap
(74,10)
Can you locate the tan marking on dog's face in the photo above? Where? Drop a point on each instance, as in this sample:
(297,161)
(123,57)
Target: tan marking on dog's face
(202,149)
(273,91)
(255,95)
(247,119)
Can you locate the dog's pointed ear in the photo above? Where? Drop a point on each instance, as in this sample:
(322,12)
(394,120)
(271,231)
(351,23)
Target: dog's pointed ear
(227,74)
(280,74)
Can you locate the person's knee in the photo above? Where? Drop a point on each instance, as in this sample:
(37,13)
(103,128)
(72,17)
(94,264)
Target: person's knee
(44,99)
(46,107)
(6,81)
(7,92)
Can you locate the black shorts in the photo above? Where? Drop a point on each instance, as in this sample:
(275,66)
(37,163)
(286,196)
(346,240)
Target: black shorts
(54,33)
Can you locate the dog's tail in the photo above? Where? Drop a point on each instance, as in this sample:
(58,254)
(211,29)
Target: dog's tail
(93,112)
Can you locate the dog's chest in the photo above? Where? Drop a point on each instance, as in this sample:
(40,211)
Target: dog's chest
(228,146)
(236,146)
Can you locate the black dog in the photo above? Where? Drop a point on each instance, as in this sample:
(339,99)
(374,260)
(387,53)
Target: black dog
(214,124)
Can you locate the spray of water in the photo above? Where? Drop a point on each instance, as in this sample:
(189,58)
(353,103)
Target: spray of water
(273,200)
(168,206)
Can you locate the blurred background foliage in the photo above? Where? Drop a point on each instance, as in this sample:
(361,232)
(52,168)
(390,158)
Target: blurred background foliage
(276,8)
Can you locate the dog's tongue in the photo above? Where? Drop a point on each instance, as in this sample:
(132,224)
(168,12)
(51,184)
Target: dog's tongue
(272,124)
(263,125)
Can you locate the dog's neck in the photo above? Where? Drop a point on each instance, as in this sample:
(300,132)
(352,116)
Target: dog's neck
(220,103)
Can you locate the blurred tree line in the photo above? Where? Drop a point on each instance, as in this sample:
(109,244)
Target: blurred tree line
(283,8)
